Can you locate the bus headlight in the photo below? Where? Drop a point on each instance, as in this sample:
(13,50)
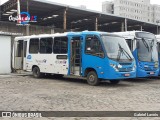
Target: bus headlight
(119,66)
(156,65)
(115,67)
(134,67)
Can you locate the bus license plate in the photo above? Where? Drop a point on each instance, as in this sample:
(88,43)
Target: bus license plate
(126,75)
(151,73)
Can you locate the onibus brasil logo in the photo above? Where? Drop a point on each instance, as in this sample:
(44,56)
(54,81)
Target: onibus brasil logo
(23,19)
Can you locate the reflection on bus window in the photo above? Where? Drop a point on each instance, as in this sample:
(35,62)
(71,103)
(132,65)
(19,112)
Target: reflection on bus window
(60,45)
(46,45)
(34,46)
(93,46)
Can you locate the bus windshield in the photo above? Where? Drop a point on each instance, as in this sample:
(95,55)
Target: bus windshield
(147,47)
(117,48)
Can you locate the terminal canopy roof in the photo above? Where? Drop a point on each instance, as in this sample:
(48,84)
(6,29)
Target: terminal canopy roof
(78,19)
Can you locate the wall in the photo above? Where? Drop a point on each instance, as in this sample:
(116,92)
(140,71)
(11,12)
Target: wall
(5,54)
(13,28)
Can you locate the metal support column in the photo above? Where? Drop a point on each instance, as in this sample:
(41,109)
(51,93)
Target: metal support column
(157,21)
(141,28)
(52,31)
(122,27)
(65,20)
(18,12)
(158,27)
(96,24)
(27,27)
(125,24)
(158,30)
(0,10)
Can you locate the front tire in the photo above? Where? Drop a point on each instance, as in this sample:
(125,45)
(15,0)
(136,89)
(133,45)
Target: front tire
(114,82)
(36,72)
(92,78)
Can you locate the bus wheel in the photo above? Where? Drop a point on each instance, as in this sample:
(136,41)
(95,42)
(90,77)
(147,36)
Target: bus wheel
(114,82)
(92,78)
(36,72)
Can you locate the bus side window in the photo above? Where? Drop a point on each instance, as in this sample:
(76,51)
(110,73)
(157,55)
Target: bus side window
(34,46)
(60,45)
(93,46)
(46,45)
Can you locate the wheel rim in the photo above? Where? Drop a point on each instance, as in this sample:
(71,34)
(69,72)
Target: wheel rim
(92,78)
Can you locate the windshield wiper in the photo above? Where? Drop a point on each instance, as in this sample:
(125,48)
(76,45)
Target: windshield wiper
(122,50)
(145,44)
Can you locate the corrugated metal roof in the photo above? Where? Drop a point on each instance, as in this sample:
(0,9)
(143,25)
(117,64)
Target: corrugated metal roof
(77,18)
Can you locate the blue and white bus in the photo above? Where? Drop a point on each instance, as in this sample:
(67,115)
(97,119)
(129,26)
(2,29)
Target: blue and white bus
(144,49)
(158,43)
(94,55)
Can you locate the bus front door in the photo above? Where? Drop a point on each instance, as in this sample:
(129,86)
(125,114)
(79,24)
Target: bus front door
(20,55)
(75,59)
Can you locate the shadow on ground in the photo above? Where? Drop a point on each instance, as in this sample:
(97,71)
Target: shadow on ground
(142,80)
(75,80)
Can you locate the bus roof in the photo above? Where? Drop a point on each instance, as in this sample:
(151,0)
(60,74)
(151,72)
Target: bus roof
(129,34)
(40,35)
(64,34)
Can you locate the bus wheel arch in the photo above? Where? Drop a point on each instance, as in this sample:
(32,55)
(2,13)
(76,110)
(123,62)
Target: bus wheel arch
(92,77)
(36,71)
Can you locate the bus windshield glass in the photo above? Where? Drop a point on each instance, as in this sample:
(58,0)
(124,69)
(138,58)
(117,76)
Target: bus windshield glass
(117,48)
(147,47)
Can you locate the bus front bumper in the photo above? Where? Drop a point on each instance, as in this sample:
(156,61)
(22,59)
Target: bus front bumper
(120,75)
(143,73)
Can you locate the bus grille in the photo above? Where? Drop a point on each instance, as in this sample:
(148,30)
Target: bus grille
(125,63)
(150,69)
(125,69)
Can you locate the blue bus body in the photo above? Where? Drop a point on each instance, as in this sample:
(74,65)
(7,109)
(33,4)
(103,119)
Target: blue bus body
(158,43)
(105,68)
(144,49)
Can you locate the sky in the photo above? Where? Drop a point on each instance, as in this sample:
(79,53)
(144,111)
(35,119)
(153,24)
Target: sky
(90,4)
